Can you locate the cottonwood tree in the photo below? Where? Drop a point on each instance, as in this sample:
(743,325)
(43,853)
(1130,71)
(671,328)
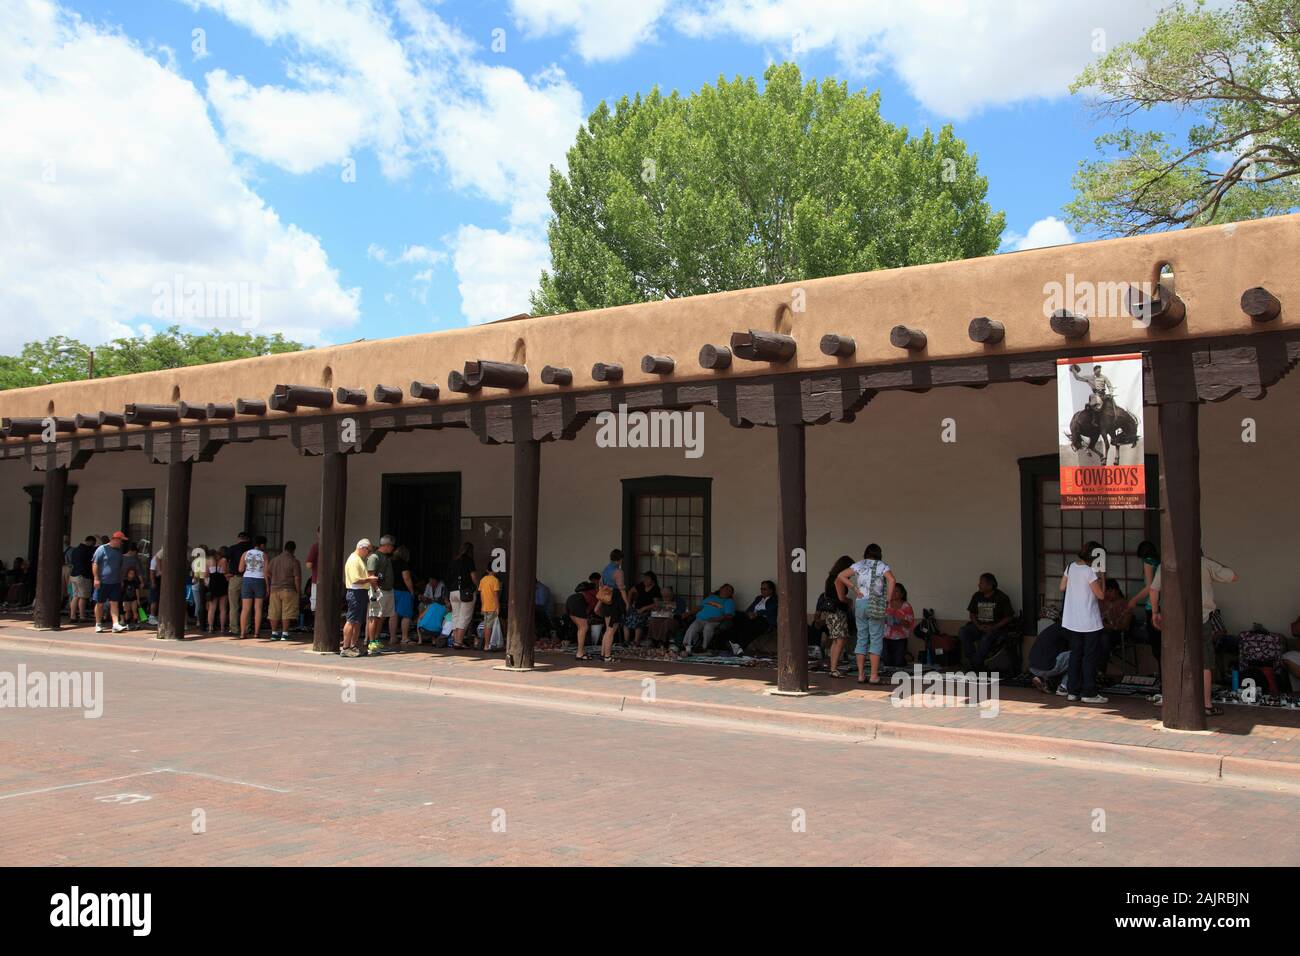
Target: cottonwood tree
(735,186)
(1231,76)
(62,359)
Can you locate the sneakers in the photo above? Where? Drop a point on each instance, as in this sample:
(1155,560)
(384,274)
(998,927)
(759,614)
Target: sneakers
(100,629)
(152,620)
(119,628)
(375,647)
(1072,697)
(1095,699)
(1061,691)
(349,652)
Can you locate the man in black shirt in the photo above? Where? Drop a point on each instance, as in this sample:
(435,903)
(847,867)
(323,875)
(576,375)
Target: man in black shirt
(83,579)
(234,579)
(1050,657)
(990,612)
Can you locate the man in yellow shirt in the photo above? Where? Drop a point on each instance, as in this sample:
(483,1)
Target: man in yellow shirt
(357,582)
(489,592)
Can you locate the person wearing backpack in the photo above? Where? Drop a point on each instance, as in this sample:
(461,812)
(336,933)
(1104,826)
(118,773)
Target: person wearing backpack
(871,581)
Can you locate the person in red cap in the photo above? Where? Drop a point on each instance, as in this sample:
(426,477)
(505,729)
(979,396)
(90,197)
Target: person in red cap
(106,568)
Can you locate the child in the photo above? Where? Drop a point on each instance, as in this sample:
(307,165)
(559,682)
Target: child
(899,621)
(131,598)
(489,592)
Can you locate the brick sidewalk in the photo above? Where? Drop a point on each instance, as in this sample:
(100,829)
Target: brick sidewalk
(1026,717)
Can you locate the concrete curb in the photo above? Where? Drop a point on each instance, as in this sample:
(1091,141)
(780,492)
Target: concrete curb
(1241,771)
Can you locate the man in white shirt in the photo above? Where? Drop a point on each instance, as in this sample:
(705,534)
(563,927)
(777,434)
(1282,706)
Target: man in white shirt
(1211,571)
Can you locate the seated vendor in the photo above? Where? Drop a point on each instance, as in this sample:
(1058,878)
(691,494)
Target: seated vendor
(990,613)
(758,618)
(717,610)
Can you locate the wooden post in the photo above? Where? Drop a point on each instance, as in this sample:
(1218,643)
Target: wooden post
(175,561)
(1181,668)
(329,576)
(522,570)
(49,557)
(791,585)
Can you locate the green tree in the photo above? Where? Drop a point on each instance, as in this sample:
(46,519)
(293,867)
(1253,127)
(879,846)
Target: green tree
(1235,73)
(733,187)
(62,359)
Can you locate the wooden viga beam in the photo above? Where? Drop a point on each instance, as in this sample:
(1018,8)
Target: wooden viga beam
(388,394)
(88,421)
(1164,310)
(553,375)
(1068,324)
(137,414)
(986,331)
(900,336)
(250,406)
(607,372)
(756,346)
(1260,304)
(220,411)
(350,396)
(27,427)
(193,413)
(425,391)
(115,419)
(287,398)
(657,364)
(481,373)
(715,357)
(840,346)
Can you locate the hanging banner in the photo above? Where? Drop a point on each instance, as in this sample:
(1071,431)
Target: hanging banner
(1099,413)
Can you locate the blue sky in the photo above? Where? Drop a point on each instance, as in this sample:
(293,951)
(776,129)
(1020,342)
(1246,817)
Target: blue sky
(371,169)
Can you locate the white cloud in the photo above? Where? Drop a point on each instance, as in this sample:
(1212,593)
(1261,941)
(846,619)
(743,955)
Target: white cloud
(497,270)
(422,254)
(1049,231)
(118,185)
(376,252)
(602,30)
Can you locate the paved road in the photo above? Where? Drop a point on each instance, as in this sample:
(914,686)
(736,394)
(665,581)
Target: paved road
(284,772)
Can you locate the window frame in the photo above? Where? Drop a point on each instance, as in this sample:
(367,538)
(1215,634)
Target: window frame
(253,491)
(667,486)
(131,494)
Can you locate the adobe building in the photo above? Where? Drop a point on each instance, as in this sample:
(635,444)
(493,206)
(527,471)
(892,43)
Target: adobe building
(904,407)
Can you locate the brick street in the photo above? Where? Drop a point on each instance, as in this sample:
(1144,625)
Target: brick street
(286,773)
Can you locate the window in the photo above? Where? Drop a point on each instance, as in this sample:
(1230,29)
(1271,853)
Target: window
(1050,537)
(137,517)
(264,514)
(666,530)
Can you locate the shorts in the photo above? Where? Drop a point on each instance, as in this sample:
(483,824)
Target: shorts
(357,600)
(381,606)
(404,604)
(837,625)
(462,612)
(252,588)
(283,605)
(108,593)
(871,630)
(82,588)
(1207,645)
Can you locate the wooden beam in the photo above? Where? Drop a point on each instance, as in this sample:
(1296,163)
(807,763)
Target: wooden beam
(329,577)
(456,382)
(112,418)
(388,395)
(425,391)
(175,562)
(188,412)
(1163,311)
(841,346)
(21,427)
(220,411)
(901,337)
(89,422)
(1260,304)
(986,331)
(1068,324)
(481,373)
(657,364)
(551,375)
(49,554)
(715,357)
(522,571)
(1181,665)
(756,346)
(290,397)
(607,372)
(791,546)
(136,414)
(350,396)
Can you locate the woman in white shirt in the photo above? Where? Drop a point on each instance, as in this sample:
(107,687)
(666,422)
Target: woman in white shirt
(1081,621)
